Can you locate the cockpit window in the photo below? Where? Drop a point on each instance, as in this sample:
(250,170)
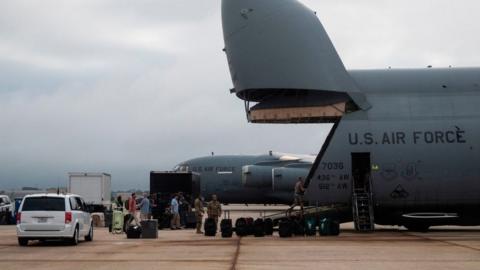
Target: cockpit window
(181,168)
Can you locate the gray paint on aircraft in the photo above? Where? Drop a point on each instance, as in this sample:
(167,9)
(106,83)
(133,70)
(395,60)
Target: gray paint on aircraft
(421,127)
(270,179)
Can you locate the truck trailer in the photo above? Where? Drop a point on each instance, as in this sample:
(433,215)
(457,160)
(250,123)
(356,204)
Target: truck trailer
(163,184)
(95,188)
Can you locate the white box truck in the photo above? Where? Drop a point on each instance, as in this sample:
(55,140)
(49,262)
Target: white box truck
(95,188)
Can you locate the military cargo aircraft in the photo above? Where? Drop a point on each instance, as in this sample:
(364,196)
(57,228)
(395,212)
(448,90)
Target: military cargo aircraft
(405,144)
(266,179)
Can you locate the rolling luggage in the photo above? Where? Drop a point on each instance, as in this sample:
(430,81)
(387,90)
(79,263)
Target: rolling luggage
(335,228)
(310,226)
(226,228)
(117,221)
(149,228)
(250,228)
(108,219)
(259,228)
(268,226)
(191,222)
(241,227)
(284,228)
(329,227)
(297,227)
(134,232)
(210,227)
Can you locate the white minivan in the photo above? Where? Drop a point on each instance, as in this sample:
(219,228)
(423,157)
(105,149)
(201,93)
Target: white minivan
(53,216)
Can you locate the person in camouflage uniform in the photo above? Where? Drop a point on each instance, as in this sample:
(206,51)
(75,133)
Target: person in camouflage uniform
(199,211)
(214,209)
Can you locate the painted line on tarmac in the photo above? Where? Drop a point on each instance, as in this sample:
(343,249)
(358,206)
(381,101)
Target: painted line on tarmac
(236,254)
(114,260)
(443,241)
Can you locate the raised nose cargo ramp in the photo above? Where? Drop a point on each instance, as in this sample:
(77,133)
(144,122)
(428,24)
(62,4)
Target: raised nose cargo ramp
(278,49)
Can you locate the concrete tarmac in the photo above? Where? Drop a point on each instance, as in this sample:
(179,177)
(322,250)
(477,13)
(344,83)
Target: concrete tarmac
(387,248)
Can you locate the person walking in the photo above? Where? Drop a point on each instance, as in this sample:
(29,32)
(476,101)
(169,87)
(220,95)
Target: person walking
(132,209)
(199,211)
(144,207)
(175,221)
(299,192)
(214,209)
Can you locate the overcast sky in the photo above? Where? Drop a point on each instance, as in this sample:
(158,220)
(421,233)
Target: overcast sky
(126,87)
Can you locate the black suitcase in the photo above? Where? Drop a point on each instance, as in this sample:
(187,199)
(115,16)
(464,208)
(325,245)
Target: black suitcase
(259,228)
(268,226)
(210,227)
(297,227)
(191,220)
(226,228)
(329,227)
(284,228)
(241,227)
(250,228)
(108,214)
(149,229)
(335,228)
(311,226)
(134,232)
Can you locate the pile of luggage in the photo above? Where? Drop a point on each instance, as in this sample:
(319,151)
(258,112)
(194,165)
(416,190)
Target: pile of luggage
(295,226)
(244,226)
(148,229)
(260,227)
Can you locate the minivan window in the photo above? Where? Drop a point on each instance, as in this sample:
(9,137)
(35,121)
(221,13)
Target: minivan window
(73,203)
(79,204)
(44,204)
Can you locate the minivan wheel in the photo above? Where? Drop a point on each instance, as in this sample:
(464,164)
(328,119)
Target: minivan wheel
(89,236)
(22,241)
(75,239)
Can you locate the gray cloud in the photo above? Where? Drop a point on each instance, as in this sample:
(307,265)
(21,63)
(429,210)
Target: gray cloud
(130,86)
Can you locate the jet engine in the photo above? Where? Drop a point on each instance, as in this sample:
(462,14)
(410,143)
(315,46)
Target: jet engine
(274,178)
(284,178)
(257,176)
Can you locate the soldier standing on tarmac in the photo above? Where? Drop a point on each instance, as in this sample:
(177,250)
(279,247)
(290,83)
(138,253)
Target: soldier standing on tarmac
(299,192)
(199,211)
(214,209)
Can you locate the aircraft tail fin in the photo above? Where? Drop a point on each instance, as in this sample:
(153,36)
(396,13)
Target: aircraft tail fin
(277,49)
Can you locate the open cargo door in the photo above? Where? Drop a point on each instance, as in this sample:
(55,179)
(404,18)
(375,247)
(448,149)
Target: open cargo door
(281,58)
